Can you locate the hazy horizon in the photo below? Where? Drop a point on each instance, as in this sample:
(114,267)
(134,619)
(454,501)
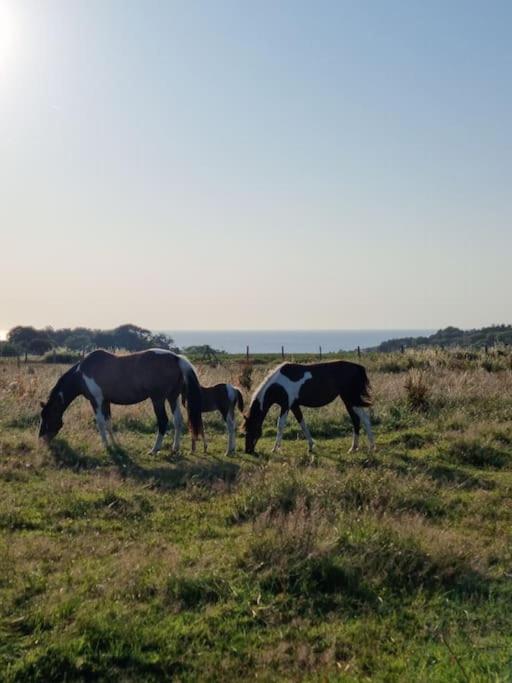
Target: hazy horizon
(237,165)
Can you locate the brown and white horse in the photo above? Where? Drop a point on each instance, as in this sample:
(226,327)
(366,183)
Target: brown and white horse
(292,385)
(104,378)
(224,398)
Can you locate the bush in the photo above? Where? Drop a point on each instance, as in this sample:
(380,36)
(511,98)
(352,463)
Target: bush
(417,390)
(9,350)
(62,357)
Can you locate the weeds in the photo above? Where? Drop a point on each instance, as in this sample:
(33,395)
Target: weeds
(129,566)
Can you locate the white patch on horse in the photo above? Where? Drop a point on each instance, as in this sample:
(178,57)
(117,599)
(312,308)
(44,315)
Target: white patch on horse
(94,389)
(178,426)
(97,394)
(230,423)
(365,419)
(158,443)
(291,388)
(281,424)
(231,393)
(161,351)
(307,434)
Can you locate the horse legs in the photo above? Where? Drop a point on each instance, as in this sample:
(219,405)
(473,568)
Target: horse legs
(297,412)
(281,424)
(356,423)
(362,413)
(108,421)
(101,420)
(163,422)
(229,419)
(178,425)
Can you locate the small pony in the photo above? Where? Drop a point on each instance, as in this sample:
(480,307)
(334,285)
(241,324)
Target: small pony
(224,398)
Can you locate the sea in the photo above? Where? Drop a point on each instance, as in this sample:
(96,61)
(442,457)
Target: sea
(294,341)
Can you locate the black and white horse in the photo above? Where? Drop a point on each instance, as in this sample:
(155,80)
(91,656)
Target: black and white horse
(104,378)
(224,398)
(293,385)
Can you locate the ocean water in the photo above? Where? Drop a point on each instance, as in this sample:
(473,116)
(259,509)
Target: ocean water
(294,341)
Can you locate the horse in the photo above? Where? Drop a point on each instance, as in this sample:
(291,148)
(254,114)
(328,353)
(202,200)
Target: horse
(104,378)
(224,398)
(292,385)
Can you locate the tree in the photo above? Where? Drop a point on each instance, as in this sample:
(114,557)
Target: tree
(134,338)
(39,345)
(78,342)
(8,349)
(23,336)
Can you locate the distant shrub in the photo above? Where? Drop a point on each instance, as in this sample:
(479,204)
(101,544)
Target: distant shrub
(61,357)
(392,367)
(9,350)
(491,365)
(417,390)
(39,345)
(245,378)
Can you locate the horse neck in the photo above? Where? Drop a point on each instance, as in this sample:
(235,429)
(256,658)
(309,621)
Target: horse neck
(69,386)
(258,412)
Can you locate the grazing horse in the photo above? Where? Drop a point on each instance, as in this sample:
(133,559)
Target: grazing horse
(104,378)
(292,385)
(224,398)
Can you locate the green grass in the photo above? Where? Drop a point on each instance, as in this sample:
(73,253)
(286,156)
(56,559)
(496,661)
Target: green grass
(392,566)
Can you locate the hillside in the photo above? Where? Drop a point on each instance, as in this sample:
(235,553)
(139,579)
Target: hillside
(453,336)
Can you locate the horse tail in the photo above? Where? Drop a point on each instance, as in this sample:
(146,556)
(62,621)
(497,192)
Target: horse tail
(193,396)
(364,390)
(239,399)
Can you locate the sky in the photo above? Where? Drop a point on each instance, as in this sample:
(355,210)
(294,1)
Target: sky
(270,164)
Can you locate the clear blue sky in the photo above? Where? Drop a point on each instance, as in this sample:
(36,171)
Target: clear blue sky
(255,164)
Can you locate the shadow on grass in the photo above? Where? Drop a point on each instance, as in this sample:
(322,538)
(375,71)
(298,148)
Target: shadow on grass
(66,456)
(200,471)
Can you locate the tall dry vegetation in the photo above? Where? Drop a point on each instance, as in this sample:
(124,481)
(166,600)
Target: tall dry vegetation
(386,566)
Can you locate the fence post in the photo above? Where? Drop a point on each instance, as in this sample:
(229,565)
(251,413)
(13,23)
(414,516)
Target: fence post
(402,348)
(247,353)
(359,352)
(282,352)
(320,349)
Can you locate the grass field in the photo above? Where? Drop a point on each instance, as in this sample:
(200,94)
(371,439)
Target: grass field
(394,566)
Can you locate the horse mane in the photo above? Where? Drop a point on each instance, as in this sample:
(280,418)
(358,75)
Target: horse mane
(61,382)
(262,384)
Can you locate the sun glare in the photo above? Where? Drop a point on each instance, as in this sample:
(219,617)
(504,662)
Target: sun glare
(8,34)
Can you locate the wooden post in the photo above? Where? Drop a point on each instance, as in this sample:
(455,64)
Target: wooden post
(320,349)
(282,352)
(402,348)
(359,352)
(486,348)
(247,353)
